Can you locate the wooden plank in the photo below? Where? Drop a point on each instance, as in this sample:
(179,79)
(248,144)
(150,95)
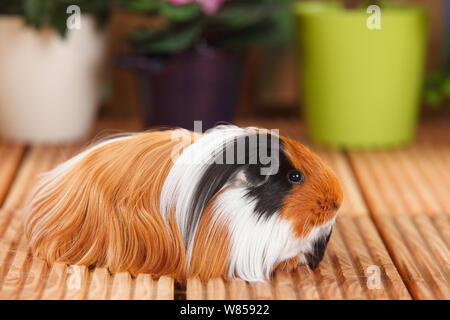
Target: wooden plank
(433,152)
(442,222)
(38,160)
(35,162)
(144,287)
(353,203)
(55,284)
(428,179)
(416,201)
(10,159)
(329,282)
(369,251)
(307,284)
(435,242)
(285,288)
(262,290)
(348,239)
(34,280)
(361,256)
(239,290)
(98,288)
(400,187)
(433,137)
(165,289)
(215,289)
(381,258)
(12,282)
(195,289)
(8,245)
(13,233)
(121,288)
(76,282)
(5,218)
(411,188)
(431,271)
(404,260)
(348,277)
(383,202)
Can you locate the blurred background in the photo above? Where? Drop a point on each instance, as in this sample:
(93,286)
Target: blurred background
(354,76)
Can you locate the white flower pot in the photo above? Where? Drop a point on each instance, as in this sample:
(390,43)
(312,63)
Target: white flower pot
(49,85)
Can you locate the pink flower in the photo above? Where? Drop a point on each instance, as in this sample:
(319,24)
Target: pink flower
(180,2)
(209,6)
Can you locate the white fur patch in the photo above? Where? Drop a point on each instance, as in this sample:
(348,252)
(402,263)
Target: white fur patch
(257,244)
(182,181)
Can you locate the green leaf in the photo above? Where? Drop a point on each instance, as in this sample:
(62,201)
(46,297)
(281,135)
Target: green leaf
(234,17)
(246,38)
(239,23)
(59,21)
(437,77)
(433,98)
(173,40)
(142,36)
(143,6)
(274,25)
(32,11)
(180,13)
(445,88)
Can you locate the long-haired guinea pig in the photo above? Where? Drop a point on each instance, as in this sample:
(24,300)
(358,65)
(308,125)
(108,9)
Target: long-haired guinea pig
(232,202)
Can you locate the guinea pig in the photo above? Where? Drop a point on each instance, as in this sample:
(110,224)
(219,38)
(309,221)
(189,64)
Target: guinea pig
(231,202)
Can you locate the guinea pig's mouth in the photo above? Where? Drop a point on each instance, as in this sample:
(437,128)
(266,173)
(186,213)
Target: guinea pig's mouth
(314,257)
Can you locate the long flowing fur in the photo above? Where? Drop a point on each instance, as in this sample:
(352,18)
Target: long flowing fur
(157,202)
(100,208)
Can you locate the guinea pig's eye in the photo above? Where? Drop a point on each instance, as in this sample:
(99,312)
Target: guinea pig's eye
(296,177)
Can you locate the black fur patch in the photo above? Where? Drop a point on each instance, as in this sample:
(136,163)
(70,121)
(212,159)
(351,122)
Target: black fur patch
(269,195)
(314,258)
(268,191)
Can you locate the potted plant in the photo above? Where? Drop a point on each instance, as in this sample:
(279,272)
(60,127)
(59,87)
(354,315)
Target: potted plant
(189,66)
(437,84)
(361,84)
(49,75)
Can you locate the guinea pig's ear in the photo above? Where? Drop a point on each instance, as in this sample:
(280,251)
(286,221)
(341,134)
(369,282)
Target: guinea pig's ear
(261,159)
(249,177)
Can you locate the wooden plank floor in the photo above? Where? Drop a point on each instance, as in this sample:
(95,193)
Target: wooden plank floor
(391,240)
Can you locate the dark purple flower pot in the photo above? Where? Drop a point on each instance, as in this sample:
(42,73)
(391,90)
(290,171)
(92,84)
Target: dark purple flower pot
(200,84)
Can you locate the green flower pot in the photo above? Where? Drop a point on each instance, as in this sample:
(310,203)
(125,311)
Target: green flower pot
(361,87)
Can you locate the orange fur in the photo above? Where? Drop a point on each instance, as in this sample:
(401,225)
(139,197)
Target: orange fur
(104,211)
(288,265)
(211,247)
(311,203)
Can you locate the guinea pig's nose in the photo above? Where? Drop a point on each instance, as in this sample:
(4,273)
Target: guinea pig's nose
(327,205)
